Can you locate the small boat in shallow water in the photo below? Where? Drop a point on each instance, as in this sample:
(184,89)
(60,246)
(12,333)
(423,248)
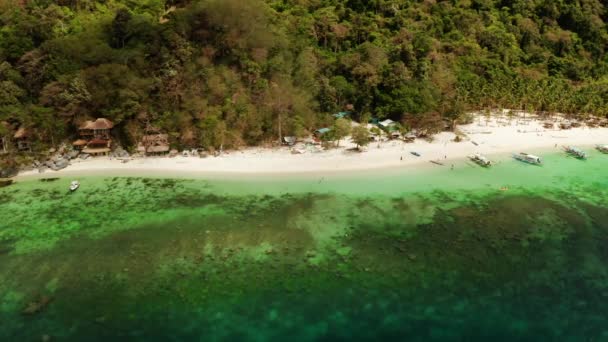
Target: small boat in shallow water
(528,158)
(602,148)
(74,186)
(575,152)
(480,160)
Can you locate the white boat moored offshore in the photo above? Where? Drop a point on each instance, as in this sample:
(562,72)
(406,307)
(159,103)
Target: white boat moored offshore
(74,186)
(480,160)
(527,158)
(602,148)
(576,152)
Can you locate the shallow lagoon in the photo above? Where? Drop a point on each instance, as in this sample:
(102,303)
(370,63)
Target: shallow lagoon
(424,254)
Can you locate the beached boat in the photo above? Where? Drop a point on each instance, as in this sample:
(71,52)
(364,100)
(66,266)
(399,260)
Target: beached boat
(527,158)
(480,160)
(415,153)
(602,148)
(576,152)
(74,186)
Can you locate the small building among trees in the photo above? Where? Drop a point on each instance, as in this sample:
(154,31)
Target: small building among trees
(99,128)
(22,139)
(154,144)
(95,137)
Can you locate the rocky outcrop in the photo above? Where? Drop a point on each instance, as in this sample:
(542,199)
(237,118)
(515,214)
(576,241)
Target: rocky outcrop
(119,152)
(73,154)
(8,172)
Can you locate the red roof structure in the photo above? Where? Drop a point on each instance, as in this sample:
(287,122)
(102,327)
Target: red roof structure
(98,142)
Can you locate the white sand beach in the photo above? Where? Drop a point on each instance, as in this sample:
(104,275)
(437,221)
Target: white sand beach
(493,136)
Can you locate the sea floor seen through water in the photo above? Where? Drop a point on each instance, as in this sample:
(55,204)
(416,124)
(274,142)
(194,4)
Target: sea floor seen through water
(515,252)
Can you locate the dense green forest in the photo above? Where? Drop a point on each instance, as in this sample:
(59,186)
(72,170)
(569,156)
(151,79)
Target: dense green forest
(243,72)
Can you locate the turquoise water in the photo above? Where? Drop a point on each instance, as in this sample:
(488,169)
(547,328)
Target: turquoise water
(407,254)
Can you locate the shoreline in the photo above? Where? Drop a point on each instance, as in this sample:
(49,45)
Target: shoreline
(493,138)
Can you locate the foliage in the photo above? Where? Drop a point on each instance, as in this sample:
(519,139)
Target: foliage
(228,73)
(341,129)
(360,136)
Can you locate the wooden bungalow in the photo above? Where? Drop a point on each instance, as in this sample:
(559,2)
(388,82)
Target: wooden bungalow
(154,144)
(98,147)
(22,139)
(95,137)
(99,129)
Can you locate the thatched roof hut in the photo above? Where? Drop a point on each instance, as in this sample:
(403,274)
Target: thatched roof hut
(154,143)
(99,128)
(99,124)
(79,143)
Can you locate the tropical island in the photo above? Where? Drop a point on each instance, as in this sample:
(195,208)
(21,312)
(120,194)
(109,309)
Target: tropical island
(303,170)
(207,76)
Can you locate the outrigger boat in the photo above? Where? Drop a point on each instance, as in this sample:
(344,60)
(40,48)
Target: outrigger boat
(527,158)
(602,148)
(576,152)
(74,186)
(480,160)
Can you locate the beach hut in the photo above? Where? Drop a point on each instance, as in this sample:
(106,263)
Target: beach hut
(100,128)
(79,144)
(388,125)
(154,144)
(96,134)
(98,146)
(22,139)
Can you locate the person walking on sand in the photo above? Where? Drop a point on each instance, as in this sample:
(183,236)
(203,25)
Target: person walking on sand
(401,158)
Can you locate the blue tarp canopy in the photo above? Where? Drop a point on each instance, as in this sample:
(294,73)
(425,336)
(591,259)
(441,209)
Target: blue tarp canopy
(341,115)
(324,130)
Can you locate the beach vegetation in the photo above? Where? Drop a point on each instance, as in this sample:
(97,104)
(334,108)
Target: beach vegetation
(360,136)
(234,73)
(341,128)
